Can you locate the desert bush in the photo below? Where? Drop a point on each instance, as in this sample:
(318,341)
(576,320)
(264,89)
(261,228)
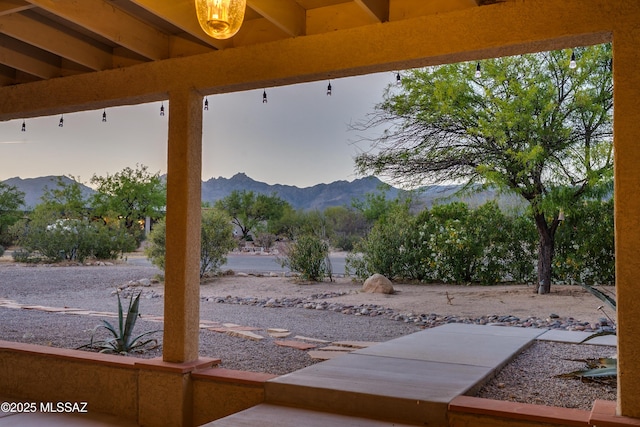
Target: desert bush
(71,239)
(308,256)
(450,243)
(265,240)
(216,240)
(387,249)
(585,250)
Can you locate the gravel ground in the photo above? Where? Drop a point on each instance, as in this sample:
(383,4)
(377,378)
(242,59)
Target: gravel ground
(91,288)
(529,379)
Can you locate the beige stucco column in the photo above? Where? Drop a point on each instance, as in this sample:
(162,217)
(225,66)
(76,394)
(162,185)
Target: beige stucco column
(626,134)
(182,281)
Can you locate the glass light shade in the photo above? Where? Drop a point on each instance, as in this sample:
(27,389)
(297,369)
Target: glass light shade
(221,19)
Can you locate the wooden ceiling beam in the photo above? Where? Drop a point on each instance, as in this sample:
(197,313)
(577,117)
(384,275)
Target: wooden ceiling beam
(48,38)
(181,14)
(113,24)
(27,59)
(377,9)
(13,6)
(284,14)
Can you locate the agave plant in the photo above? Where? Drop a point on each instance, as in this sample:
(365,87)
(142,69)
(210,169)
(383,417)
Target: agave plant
(122,340)
(610,301)
(603,370)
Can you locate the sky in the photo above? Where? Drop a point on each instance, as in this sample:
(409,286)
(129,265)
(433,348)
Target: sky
(299,137)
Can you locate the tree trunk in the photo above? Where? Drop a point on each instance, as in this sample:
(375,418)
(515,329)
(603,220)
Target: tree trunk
(546,246)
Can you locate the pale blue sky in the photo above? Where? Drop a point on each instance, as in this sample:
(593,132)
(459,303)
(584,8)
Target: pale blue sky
(300,137)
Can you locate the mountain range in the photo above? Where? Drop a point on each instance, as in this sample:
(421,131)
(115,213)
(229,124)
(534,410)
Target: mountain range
(320,196)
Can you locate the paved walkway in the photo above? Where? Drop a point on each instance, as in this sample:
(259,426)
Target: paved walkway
(405,381)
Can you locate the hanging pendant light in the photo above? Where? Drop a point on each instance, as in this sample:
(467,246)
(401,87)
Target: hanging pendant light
(329,89)
(264,97)
(24,126)
(162,109)
(61,122)
(220,19)
(398,79)
(572,63)
(206,104)
(104,115)
(478,71)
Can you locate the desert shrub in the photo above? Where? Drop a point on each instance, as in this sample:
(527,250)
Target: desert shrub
(307,255)
(72,239)
(386,249)
(450,243)
(21,255)
(111,240)
(156,248)
(522,246)
(216,240)
(584,250)
(265,240)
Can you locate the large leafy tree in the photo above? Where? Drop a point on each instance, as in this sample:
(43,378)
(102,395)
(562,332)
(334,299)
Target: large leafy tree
(250,211)
(531,125)
(130,195)
(65,201)
(11,199)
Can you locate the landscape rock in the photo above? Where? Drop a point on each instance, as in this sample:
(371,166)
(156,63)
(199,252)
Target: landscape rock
(378,284)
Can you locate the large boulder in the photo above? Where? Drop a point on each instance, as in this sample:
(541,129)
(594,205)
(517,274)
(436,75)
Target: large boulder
(378,284)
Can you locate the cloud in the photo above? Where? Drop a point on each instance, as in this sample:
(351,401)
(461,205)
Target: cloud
(21,141)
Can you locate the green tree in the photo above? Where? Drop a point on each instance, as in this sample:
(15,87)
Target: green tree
(530,125)
(60,228)
(376,206)
(250,211)
(130,195)
(347,226)
(11,199)
(64,201)
(216,240)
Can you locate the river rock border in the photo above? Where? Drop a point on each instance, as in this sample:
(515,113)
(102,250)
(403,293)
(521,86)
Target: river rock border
(320,302)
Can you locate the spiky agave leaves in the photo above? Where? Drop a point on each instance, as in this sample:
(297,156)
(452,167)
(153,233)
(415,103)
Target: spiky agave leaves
(122,340)
(602,370)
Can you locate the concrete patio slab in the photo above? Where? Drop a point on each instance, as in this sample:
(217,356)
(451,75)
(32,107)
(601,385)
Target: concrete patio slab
(488,346)
(38,419)
(410,379)
(576,337)
(277,416)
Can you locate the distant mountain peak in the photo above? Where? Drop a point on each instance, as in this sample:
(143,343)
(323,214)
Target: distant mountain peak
(317,197)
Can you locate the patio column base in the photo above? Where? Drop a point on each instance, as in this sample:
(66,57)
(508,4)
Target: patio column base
(165,391)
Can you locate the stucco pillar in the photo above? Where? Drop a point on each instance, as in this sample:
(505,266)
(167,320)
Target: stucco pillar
(626,133)
(182,262)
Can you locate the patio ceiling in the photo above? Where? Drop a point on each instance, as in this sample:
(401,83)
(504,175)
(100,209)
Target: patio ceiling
(46,39)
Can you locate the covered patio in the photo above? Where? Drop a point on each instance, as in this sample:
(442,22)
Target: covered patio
(62,56)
